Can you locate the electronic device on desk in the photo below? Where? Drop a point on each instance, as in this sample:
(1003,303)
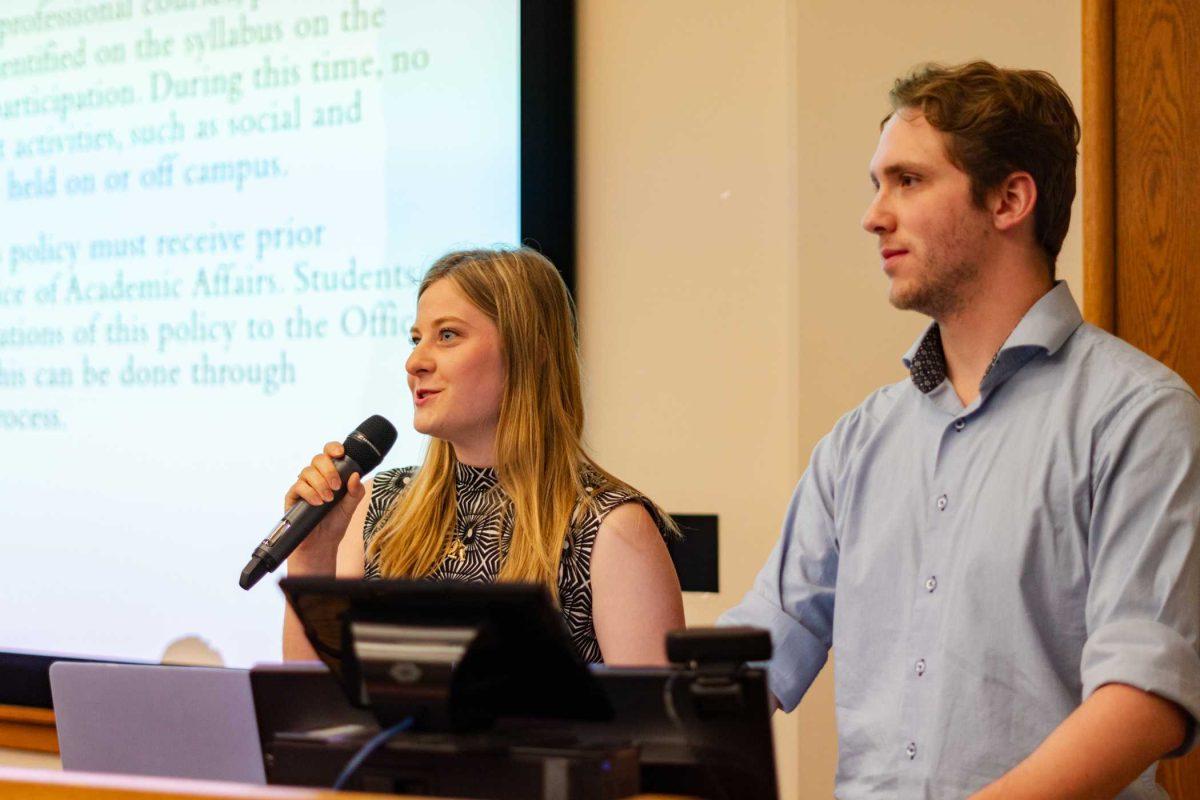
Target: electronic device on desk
(151,719)
(438,665)
(500,705)
(702,727)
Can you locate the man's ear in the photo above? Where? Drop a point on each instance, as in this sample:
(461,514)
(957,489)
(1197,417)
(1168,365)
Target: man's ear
(1012,202)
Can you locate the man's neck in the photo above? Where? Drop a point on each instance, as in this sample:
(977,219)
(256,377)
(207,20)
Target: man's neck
(973,335)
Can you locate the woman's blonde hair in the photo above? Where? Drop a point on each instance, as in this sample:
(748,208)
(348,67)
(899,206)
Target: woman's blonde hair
(539,448)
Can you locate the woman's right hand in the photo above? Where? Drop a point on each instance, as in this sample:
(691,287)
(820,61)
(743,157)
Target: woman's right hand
(315,485)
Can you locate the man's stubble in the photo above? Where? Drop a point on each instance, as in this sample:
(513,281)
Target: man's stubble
(947,279)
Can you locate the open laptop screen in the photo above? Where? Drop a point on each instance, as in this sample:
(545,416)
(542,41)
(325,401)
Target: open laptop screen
(169,721)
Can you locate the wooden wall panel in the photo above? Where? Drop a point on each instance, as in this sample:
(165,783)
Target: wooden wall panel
(1141,122)
(28,729)
(1157,99)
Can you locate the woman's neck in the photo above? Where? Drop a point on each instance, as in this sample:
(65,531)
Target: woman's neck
(477,454)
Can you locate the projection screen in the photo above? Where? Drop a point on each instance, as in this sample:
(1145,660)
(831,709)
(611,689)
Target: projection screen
(214,216)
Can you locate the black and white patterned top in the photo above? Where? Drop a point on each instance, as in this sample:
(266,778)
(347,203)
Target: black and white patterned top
(483,529)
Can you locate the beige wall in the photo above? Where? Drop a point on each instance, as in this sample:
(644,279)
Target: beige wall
(731,308)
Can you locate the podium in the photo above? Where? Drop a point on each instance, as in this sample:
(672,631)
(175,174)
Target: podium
(34,784)
(495,702)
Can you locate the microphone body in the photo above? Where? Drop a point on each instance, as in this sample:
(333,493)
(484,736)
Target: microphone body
(365,449)
(294,528)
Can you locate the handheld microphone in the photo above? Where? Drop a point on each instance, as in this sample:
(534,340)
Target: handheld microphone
(365,449)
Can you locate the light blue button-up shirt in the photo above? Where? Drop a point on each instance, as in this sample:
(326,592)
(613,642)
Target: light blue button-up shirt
(980,571)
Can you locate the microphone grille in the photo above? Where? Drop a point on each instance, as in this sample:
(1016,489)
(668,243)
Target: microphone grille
(370,442)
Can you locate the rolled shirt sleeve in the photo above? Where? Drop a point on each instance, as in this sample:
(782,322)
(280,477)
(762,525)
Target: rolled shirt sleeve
(1143,601)
(792,597)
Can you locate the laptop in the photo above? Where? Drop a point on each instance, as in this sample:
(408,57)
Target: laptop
(168,721)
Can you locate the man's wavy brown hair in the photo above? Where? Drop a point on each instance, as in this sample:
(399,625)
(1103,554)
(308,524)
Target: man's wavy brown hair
(1000,121)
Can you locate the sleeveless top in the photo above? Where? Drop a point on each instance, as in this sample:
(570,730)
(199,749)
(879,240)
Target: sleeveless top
(483,529)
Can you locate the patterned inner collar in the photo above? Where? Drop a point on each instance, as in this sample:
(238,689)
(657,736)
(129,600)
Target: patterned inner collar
(928,366)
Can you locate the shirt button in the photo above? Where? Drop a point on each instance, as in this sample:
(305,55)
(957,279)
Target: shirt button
(941,503)
(911,751)
(920,667)
(931,584)
(959,424)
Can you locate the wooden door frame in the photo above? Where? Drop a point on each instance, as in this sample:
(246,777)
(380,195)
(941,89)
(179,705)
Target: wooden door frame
(1099,165)
(1179,776)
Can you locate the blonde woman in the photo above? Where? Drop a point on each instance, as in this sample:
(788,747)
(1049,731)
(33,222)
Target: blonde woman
(506,491)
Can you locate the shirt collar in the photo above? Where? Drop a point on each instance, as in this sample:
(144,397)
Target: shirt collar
(1044,329)
(470,479)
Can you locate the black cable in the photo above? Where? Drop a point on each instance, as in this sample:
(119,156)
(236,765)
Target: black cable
(367,749)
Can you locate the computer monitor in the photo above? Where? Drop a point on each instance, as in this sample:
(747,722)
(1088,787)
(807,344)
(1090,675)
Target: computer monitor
(452,656)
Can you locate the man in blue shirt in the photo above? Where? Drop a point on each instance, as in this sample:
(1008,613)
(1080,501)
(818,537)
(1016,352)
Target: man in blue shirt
(1002,548)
